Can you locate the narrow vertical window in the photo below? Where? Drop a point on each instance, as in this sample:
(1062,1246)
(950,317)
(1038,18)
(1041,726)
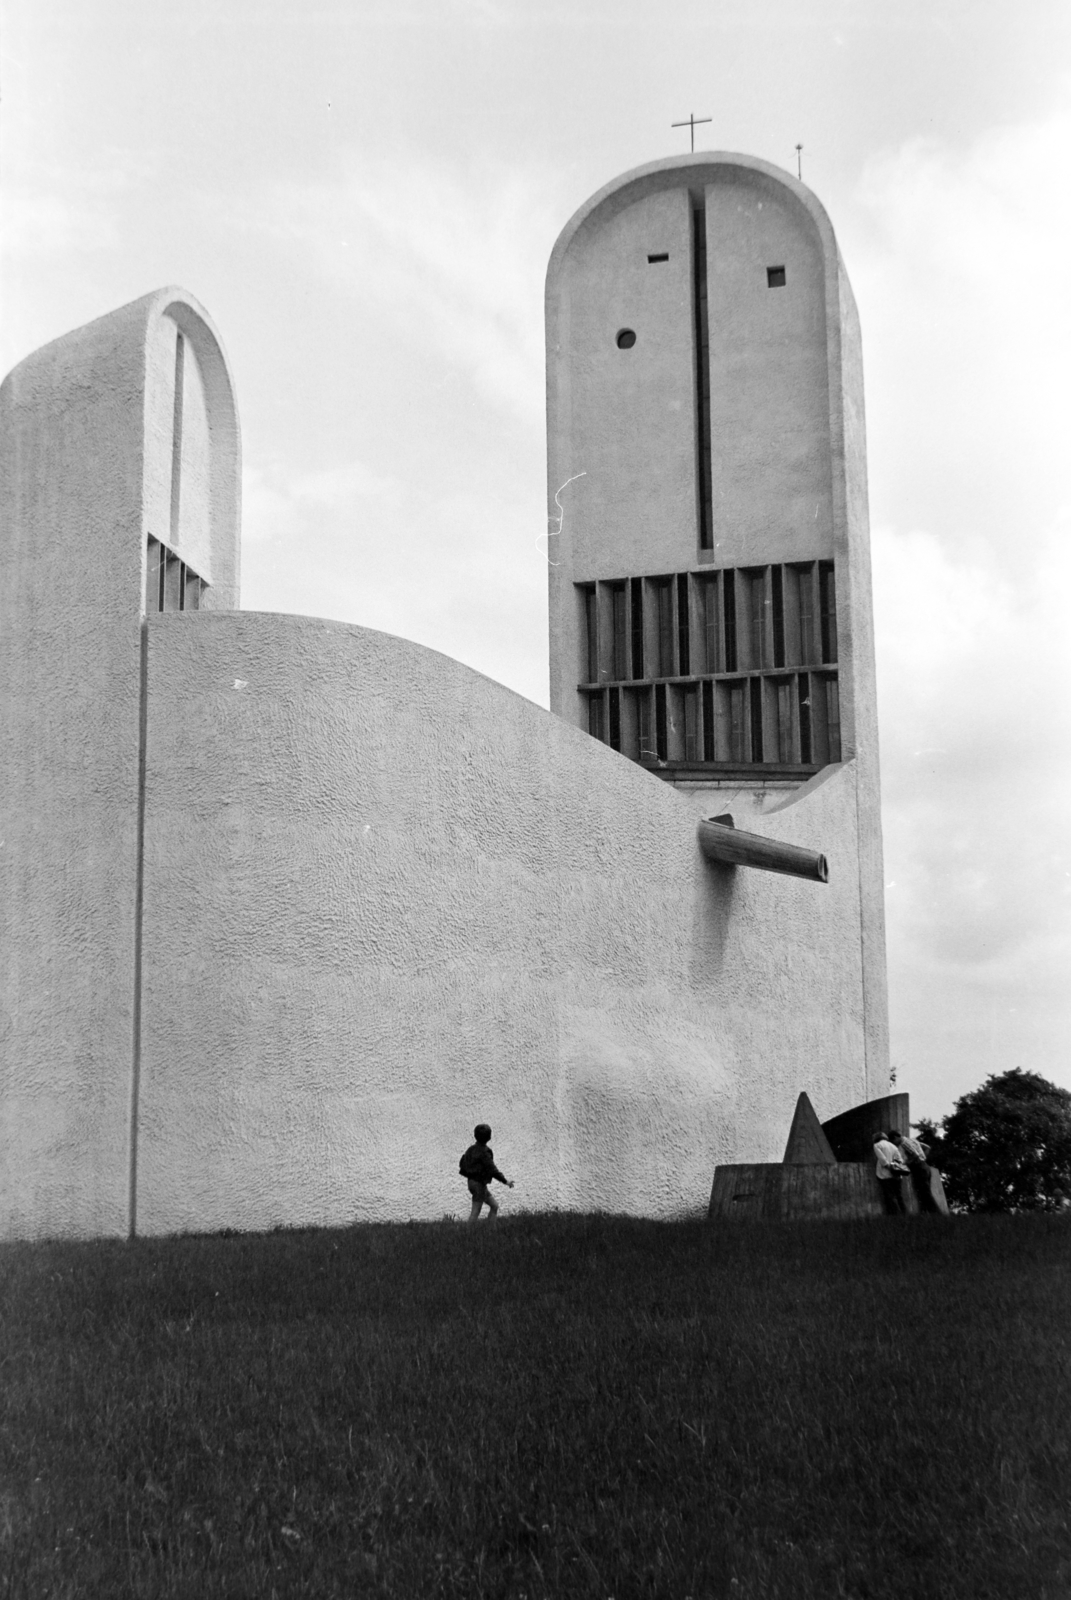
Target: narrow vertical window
(777,588)
(809,654)
(172,582)
(833,717)
(702,376)
(756,584)
(614,707)
(646,734)
(154,573)
(755,708)
(691,725)
(619,611)
(683,630)
(709,592)
(664,593)
(176,438)
(661,723)
(708,721)
(803,684)
(595,715)
(637,627)
(783,690)
(591,641)
(736,722)
(729,597)
(828,601)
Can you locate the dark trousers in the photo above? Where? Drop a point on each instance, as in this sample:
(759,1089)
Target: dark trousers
(920,1182)
(891,1196)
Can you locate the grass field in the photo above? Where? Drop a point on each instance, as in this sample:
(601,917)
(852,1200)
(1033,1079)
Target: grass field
(550,1406)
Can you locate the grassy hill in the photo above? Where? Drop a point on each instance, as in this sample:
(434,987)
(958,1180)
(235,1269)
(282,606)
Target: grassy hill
(549,1406)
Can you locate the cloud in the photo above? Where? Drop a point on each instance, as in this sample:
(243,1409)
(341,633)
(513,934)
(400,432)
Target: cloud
(444,567)
(965,310)
(968,342)
(51,210)
(452,255)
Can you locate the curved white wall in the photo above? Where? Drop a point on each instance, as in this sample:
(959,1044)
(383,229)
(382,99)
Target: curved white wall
(386,898)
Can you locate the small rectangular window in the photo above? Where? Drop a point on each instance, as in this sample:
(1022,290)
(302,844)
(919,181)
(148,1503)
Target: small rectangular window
(660,257)
(775,277)
(661,723)
(595,715)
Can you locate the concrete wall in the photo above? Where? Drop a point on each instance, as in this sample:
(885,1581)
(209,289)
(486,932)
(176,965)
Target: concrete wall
(386,898)
(287,906)
(85,474)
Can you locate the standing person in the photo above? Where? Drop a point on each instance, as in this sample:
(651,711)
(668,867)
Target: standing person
(915,1155)
(890,1169)
(478,1166)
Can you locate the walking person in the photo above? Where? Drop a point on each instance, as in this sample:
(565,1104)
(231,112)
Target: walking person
(478,1166)
(915,1153)
(890,1168)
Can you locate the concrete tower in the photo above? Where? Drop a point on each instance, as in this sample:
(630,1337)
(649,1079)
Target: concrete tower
(119,473)
(710,607)
(710,598)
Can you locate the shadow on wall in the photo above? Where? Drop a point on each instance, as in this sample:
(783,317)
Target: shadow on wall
(712,919)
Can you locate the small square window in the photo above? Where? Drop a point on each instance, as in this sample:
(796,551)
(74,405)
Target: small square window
(775,277)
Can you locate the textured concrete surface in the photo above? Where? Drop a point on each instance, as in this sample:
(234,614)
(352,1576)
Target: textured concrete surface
(85,473)
(286,906)
(387,898)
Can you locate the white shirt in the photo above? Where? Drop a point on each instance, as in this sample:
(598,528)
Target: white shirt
(889,1161)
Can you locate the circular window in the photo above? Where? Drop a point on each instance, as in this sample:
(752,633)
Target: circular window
(626,339)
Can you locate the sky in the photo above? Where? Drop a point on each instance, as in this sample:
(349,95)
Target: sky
(364,195)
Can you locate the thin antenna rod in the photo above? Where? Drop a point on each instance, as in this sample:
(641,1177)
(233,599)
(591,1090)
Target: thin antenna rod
(692,123)
(799,162)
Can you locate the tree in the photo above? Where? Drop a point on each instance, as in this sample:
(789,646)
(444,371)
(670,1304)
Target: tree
(1007,1146)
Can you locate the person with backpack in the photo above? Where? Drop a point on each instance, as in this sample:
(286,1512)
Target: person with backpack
(477,1165)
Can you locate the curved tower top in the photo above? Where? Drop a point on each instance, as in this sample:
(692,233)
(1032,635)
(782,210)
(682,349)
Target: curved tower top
(710,604)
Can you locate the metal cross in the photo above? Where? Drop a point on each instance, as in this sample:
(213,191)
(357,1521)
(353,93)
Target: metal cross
(692,123)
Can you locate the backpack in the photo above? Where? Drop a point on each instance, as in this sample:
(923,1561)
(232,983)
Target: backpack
(469,1163)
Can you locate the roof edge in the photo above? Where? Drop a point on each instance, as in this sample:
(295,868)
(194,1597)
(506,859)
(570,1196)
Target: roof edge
(721,159)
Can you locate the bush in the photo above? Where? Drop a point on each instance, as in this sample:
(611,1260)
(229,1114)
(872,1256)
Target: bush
(1006,1146)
